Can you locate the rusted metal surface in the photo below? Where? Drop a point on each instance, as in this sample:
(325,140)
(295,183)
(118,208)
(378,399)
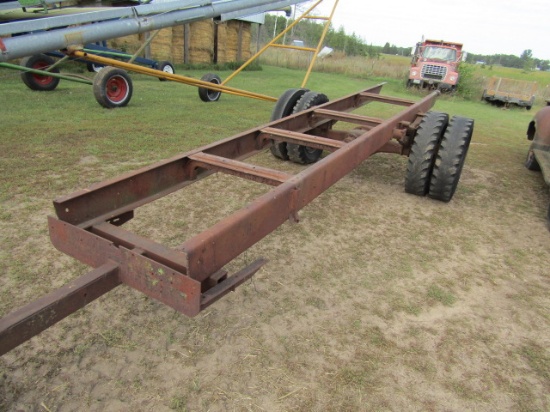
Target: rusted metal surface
(191,276)
(28,321)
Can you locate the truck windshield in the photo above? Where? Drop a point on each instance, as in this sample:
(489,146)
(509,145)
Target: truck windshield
(440,53)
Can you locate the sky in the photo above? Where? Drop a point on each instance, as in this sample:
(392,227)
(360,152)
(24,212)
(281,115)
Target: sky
(484,26)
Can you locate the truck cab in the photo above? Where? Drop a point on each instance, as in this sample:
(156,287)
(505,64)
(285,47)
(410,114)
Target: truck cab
(435,65)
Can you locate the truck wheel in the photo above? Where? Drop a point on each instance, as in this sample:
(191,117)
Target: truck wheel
(112,87)
(531,162)
(423,152)
(284,107)
(450,158)
(166,67)
(208,95)
(299,153)
(37,81)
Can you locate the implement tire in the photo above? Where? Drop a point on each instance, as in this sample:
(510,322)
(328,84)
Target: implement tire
(300,153)
(450,158)
(208,95)
(37,81)
(166,67)
(112,87)
(423,152)
(284,107)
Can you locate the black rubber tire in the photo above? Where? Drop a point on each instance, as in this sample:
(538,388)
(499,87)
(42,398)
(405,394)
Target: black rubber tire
(531,162)
(94,67)
(423,152)
(208,95)
(165,66)
(37,81)
(450,158)
(112,87)
(284,107)
(299,153)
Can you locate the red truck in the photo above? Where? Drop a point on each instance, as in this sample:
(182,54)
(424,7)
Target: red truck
(435,65)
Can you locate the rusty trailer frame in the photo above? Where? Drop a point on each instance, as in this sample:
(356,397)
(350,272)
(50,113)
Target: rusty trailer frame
(191,277)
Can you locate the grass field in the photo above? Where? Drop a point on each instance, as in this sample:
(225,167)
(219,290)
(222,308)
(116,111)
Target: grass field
(376,301)
(397,68)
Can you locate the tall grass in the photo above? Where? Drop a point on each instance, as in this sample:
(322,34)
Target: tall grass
(395,67)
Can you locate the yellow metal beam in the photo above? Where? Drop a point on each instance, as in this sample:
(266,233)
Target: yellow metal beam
(272,43)
(314,59)
(170,76)
(284,46)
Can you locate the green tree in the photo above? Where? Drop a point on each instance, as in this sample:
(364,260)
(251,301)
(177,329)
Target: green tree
(527,59)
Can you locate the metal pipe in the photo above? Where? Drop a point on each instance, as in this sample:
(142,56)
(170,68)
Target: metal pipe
(170,76)
(46,73)
(40,42)
(87,16)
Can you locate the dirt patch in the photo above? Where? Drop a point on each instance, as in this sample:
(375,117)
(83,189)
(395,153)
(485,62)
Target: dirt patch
(376,300)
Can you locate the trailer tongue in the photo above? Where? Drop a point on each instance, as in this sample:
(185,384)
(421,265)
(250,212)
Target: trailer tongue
(191,277)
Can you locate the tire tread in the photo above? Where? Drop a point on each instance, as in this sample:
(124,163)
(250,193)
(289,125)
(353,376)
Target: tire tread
(450,158)
(299,153)
(423,153)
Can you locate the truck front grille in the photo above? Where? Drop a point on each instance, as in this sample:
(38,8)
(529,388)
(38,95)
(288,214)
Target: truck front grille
(432,71)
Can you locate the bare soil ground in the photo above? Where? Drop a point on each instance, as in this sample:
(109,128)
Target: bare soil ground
(376,300)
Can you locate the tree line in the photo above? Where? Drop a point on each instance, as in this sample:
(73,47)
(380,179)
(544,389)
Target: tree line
(310,32)
(526,61)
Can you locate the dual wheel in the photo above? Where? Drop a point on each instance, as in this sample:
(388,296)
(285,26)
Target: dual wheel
(294,101)
(437,155)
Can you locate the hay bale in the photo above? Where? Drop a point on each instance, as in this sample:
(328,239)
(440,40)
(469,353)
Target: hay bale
(169,43)
(177,44)
(127,44)
(161,46)
(201,43)
(234,41)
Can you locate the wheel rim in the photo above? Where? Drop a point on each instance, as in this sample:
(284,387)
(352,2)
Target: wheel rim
(168,69)
(117,89)
(39,78)
(213,94)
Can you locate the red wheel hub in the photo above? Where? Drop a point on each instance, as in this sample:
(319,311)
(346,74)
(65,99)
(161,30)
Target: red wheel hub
(117,89)
(39,78)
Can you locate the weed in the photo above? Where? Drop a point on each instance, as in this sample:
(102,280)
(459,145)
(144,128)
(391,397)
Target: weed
(538,359)
(316,302)
(179,404)
(438,294)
